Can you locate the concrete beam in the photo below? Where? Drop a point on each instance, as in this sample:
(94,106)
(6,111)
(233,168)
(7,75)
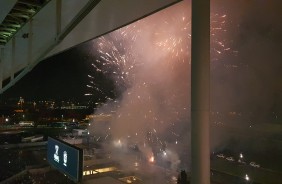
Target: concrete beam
(200,92)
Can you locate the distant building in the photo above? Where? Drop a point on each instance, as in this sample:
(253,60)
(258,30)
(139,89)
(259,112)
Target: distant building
(79,132)
(26,123)
(74,107)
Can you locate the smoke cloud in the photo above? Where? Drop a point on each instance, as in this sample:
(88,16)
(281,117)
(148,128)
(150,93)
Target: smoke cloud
(151,59)
(245,83)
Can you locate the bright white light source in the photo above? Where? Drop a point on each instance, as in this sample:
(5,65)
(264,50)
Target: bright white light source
(247,177)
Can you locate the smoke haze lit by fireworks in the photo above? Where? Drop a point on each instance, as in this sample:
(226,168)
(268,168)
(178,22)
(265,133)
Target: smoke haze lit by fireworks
(135,81)
(149,62)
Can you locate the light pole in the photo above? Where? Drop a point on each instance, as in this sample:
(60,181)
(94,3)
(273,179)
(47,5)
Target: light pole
(21,101)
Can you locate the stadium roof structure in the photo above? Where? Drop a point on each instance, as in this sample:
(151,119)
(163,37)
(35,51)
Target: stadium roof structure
(21,13)
(33,30)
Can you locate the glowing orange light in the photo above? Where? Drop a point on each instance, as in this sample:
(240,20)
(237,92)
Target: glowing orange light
(152,159)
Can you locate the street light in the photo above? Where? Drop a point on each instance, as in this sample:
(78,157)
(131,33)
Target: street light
(21,101)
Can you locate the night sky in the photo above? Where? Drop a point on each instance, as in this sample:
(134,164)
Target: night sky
(61,77)
(248,78)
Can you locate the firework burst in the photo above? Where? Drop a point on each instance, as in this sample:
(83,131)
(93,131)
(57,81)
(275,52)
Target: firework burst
(174,40)
(122,54)
(149,62)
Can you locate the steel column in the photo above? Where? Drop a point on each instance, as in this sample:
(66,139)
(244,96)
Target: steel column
(13,58)
(30,35)
(58,17)
(1,67)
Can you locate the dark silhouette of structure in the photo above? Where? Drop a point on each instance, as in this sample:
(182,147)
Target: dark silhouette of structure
(182,178)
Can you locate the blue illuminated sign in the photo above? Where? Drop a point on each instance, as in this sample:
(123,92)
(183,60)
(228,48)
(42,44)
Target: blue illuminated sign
(66,158)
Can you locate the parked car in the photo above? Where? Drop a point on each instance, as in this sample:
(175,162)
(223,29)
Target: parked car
(220,155)
(253,164)
(231,159)
(241,161)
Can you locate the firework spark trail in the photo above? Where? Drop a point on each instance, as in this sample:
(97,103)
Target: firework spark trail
(219,42)
(117,60)
(174,41)
(114,59)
